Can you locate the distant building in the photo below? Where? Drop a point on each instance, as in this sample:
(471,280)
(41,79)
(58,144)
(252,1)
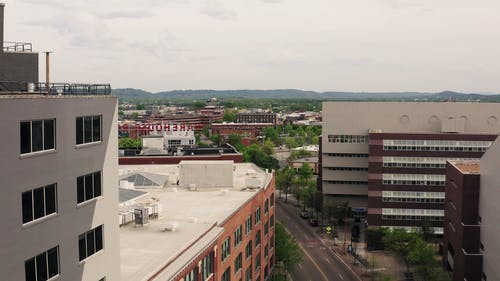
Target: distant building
(311,161)
(249,131)
(206,220)
(258,117)
(406,175)
(387,158)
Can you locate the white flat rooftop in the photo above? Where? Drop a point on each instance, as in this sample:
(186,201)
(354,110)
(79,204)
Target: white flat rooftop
(197,214)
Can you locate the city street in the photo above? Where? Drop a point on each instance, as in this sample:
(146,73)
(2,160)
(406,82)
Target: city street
(319,262)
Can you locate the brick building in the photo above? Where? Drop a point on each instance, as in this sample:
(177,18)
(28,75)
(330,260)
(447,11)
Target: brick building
(406,175)
(259,117)
(216,222)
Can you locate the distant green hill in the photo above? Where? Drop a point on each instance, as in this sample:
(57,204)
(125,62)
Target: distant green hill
(129,94)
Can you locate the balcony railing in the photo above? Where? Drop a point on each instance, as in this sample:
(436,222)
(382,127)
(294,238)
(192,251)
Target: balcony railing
(54,88)
(9,46)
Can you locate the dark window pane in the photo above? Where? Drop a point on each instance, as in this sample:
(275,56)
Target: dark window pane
(38,203)
(80,190)
(90,243)
(97,184)
(37,135)
(25,137)
(98,238)
(27,199)
(48,134)
(29,270)
(82,247)
(50,199)
(96,128)
(87,128)
(89,193)
(41,267)
(79,130)
(53,262)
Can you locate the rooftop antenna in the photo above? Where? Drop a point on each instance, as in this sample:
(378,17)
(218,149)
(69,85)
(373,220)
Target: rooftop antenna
(47,71)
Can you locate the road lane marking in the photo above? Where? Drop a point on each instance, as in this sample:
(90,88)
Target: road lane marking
(341,277)
(327,260)
(314,262)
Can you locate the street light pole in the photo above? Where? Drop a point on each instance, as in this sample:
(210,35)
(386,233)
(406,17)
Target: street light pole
(345,229)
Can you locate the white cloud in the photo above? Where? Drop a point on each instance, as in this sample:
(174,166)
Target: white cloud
(360,45)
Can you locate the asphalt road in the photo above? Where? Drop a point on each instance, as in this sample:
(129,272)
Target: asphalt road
(319,262)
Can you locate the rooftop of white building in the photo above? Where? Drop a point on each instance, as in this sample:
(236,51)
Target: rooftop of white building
(193,210)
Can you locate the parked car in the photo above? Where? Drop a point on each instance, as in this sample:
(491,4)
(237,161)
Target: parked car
(304,215)
(313,222)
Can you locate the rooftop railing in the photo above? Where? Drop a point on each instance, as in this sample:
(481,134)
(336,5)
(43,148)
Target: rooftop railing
(54,88)
(9,46)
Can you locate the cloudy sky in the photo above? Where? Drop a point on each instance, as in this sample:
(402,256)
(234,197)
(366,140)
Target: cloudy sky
(350,45)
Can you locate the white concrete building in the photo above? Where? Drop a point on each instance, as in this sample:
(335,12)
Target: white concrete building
(489,212)
(59,200)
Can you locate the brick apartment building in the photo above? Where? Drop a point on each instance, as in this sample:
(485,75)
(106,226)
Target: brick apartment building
(258,117)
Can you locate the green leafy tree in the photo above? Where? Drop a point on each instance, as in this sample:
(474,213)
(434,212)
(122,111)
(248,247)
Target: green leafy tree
(229,116)
(284,180)
(287,250)
(206,131)
(215,139)
(422,255)
(129,143)
(255,154)
(401,242)
(140,106)
(272,134)
(235,140)
(268,147)
(198,104)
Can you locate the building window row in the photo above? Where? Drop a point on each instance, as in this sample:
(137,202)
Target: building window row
(43,266)
(89,186)
(413,179)
(238,263)
(348,138)
(90,242)
(226,276)
(226,248)
(412,214)
(436,230)
(413,196)
(39,202)
(347,169)
(38,135)
(192,275)
(349,155)
(248,249)
(257,215)
(416,162)
(248,274)
(437,145)
(248,225)
(347,182)
(88,129)
(207,266)
(238,236)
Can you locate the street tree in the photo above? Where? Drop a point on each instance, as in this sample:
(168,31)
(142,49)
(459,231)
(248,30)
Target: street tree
(287,250)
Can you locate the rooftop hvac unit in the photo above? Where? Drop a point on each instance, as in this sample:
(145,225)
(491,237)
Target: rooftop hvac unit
(141,216)
(171,227)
